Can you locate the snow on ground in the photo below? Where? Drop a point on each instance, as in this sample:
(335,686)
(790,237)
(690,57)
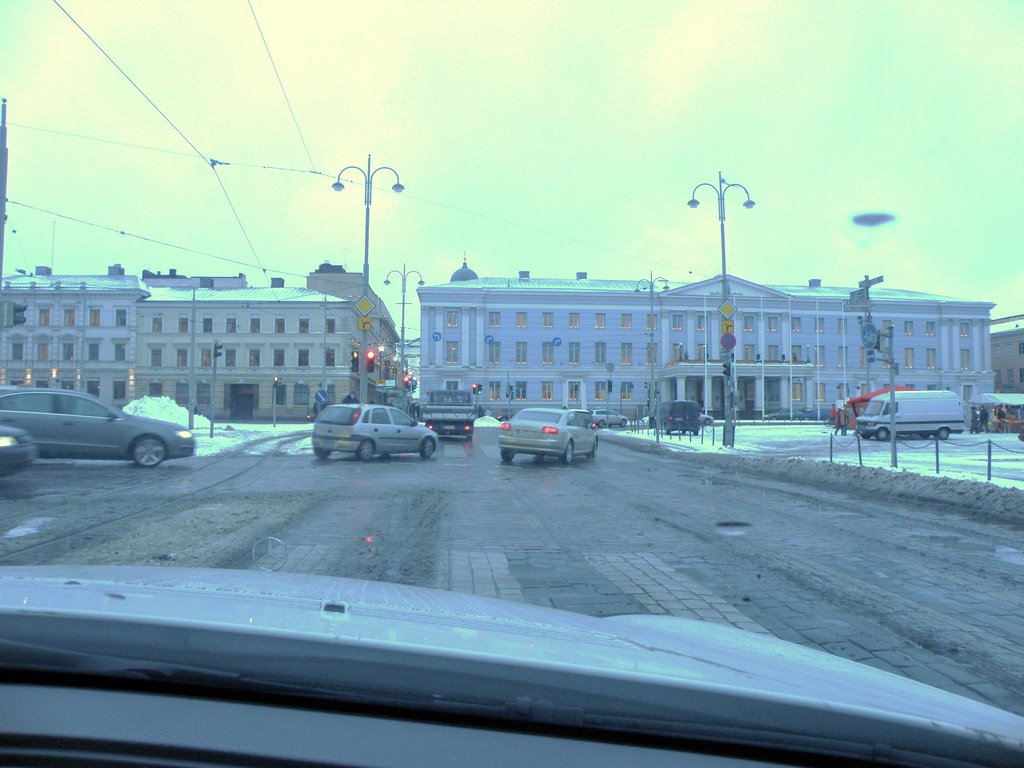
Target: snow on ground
(164,409)
(486,421)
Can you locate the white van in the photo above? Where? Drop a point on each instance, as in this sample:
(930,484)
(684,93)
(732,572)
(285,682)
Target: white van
(925,413)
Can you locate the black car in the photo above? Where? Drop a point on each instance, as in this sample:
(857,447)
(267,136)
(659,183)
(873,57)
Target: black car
(16,450)
(679,416)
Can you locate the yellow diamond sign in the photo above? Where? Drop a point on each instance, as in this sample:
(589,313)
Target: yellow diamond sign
(365,305)
(727,309)
(364,324)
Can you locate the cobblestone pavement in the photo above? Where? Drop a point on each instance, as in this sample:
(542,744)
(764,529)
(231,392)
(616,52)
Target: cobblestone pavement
(914,589)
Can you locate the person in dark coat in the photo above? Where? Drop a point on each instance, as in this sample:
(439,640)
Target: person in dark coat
(975,419)
(984,419)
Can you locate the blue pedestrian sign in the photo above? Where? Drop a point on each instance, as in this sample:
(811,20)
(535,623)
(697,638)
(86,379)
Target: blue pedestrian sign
(321,397)
(436,336)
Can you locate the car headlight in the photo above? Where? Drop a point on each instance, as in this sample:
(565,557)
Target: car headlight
(184,434)
(7,442)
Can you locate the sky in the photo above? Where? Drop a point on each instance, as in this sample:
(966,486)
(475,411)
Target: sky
(550,137)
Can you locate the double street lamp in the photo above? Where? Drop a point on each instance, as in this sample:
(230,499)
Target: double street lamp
(729,432)
(337,186)
(401,349)
(648,285)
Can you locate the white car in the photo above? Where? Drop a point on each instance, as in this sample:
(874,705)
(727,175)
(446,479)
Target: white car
(368,430)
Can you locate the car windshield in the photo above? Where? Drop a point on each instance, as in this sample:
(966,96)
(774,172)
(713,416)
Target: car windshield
(581,315)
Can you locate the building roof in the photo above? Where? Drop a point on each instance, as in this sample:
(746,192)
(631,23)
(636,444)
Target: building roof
(19,281)
(463,273)
(260,295)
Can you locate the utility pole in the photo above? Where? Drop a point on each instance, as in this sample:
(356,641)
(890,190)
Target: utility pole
(890,356)
(3,181)
(213,387)
(192,366)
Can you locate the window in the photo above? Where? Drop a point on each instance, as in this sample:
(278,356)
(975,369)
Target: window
(278,325)
(1020,375)
(303,358)
(205,358)
(254,325)
(546,390)
(494,319)
(908,358)
(841,325)
(44,316)
(451,353)
(574,319)
(156,389)
(626,322)
(452,318)
(230,358)
(601,390)
(520,390)
(929,329)
(748,352)
(626,353)
(494,353)
(794,324)
(278,358)
(965,359)
(652,353)
(908,327)
(547,353)
(69,317)
(1020,348)
(652,322)
(300,395)
(819,359)
(677,322)
(520,353)
(965,329)
(207,325)
(68,350)
(231,325)
(700,322)
(203,393)
(156,357)
(794,352)
(929,357)
(773,351)
(93,351)
(330,357)
(574,353)
(17,351)
(841,357)
(494,391)
(599,321)
(574,391)
(600,352)
(254,358)
(819,325)
(748,322)
(182,325)
(677,352)
(157,324)
(548,320)
(120,389)
(279,394)
(773,323)
(1009,376)
(702,352)
(626,390)
(181,392)
(94,317)
(798,391)
(968,392)
(332,325)
(995,350)
(181,358)
(998,380)
(303,325)
(520,319)
(820,395)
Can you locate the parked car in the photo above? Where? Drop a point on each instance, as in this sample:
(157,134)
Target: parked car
(368,430)
(926,413)
(706,419)
(548,432)
(607,418)
(16,450)
(73,425)
(679,416)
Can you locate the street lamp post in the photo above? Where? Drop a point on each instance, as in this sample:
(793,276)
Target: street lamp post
(401,349)
(729,431)
(192,365)
(337,186)
(648,285)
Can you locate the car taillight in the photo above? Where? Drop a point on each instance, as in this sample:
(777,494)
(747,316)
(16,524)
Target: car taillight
(430,427)
(355,416)
(549,430)
(467,427)
(505,425)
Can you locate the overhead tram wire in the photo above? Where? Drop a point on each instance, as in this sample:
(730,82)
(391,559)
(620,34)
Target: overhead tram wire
(280,82)
(210,161)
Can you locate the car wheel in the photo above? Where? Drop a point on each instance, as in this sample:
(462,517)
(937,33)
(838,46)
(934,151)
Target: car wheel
(601,424)
(427,448)
(321,453)
(623,423)
(882,434)
(593,451)
(943,433)
(148,451)
(506,456)
(364,451)
(567,454)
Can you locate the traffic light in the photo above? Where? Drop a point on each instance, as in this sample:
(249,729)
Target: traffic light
(727,369)
(406,381)
(217,350)
(355,361)
(12,314)
(476,389)
(371,356)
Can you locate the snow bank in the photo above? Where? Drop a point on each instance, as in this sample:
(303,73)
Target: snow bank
(486,421)
(164,409)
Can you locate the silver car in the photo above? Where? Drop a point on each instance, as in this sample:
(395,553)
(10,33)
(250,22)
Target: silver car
(368,430)
(548,432)
(73,425)
(607,418)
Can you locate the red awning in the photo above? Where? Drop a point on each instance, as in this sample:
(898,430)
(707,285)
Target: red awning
(861,399)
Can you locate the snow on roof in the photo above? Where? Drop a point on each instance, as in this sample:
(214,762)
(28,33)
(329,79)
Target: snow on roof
(19,281)
(266,295)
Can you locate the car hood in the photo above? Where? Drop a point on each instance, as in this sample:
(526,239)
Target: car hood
(666,675)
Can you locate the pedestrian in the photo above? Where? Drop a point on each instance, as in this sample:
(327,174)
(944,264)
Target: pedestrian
(844,418)
(834,415)
(975,418)
(983,418)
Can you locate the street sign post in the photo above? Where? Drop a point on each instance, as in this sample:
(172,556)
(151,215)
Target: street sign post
(728,341)
(868,335)
(321,397)
(728,326)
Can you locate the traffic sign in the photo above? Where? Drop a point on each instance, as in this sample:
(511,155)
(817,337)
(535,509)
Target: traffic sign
(727,309)
(558,341)
(867,282)
(365,305)
(364,323)
(488,339)
(855,306)
(859,296)
(436,335)
(868,335)
(728,341)
(871,355)
(321,397)
(728,326)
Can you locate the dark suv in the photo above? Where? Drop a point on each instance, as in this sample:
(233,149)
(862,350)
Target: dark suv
(679,416)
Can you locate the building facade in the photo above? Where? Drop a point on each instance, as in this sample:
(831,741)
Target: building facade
(600,343)
(1007,341)
(78,334)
